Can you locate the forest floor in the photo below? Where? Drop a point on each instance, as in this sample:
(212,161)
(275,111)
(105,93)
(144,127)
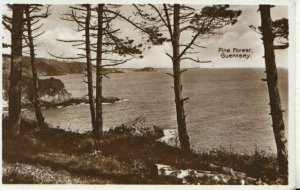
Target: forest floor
(47,156)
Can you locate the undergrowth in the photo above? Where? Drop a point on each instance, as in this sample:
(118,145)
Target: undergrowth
(118,158)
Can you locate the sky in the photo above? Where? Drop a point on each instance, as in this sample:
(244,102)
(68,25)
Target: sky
(238,36)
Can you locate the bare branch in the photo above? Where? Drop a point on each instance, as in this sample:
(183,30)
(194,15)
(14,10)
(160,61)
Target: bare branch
(159,14)
(127,19)
(38,34)
(195,37)
(183,70)
(5,23)
(197,61)
(199,46)
(62,57)
(170,74)
(185,99)
(168,21)
(281,46)
(105,75)
(4,45)
(169,55)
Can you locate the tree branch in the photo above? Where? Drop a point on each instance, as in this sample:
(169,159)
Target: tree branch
(168,21)
(197,61)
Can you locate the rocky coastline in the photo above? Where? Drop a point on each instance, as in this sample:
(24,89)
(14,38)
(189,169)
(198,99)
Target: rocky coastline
(69,102)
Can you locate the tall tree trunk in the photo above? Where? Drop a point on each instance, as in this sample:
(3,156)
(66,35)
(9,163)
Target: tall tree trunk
(272,81)
(99,121)
(36,98)
(182,132)
(89,64)
(16,69)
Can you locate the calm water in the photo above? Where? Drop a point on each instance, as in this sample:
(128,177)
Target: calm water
(227,107)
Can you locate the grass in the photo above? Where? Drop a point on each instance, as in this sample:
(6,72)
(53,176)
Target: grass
(116,158)
(258,165)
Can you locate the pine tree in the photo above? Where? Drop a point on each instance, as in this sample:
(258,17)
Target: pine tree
(15,26)
(269,33)
(176,20)
(33,16)
(108,48)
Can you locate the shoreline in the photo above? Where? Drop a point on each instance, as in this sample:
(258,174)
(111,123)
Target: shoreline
(66,103)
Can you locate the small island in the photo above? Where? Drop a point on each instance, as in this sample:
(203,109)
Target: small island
(112,70)
(145,69)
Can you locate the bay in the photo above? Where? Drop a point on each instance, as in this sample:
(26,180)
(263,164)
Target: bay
(226,107)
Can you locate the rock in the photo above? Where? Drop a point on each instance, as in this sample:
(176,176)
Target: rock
(170,137)
(57,103)
(146,69)
(53,94)
(192,176)
(184,181)
(259,182)
(138,127)
(250,180)
(203,171)
(214,167)
(183,173)
(233,181)
(227,170)
(199,175)
(240,174)
(52,90)
(85,99)
(110,99)
(222,169)
(215,179)
(242,182)
(164,170)
(112,70)
(224,179)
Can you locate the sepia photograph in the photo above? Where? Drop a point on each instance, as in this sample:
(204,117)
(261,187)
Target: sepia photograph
(169,93)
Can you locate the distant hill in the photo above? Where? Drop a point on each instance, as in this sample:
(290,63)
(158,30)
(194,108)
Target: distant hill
(50,67)
(45,67)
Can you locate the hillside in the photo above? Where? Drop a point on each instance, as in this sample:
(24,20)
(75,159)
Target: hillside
(128,154)
(52,89)
(50,67)
(45,67)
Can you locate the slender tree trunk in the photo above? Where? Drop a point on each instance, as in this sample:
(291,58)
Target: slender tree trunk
(16,69)
(272,81)
(89,64)
(36,98)
(99,121)
(183,135)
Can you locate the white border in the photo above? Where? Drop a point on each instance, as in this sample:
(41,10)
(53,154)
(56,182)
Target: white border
(294,75)
(1,110)
(297,95)
(203,2)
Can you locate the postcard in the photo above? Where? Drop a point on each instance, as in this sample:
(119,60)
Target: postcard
(197,95)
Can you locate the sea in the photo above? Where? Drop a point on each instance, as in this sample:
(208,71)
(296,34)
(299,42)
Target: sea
(227,108)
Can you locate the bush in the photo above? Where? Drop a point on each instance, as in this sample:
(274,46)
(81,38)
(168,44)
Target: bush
(138,128)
